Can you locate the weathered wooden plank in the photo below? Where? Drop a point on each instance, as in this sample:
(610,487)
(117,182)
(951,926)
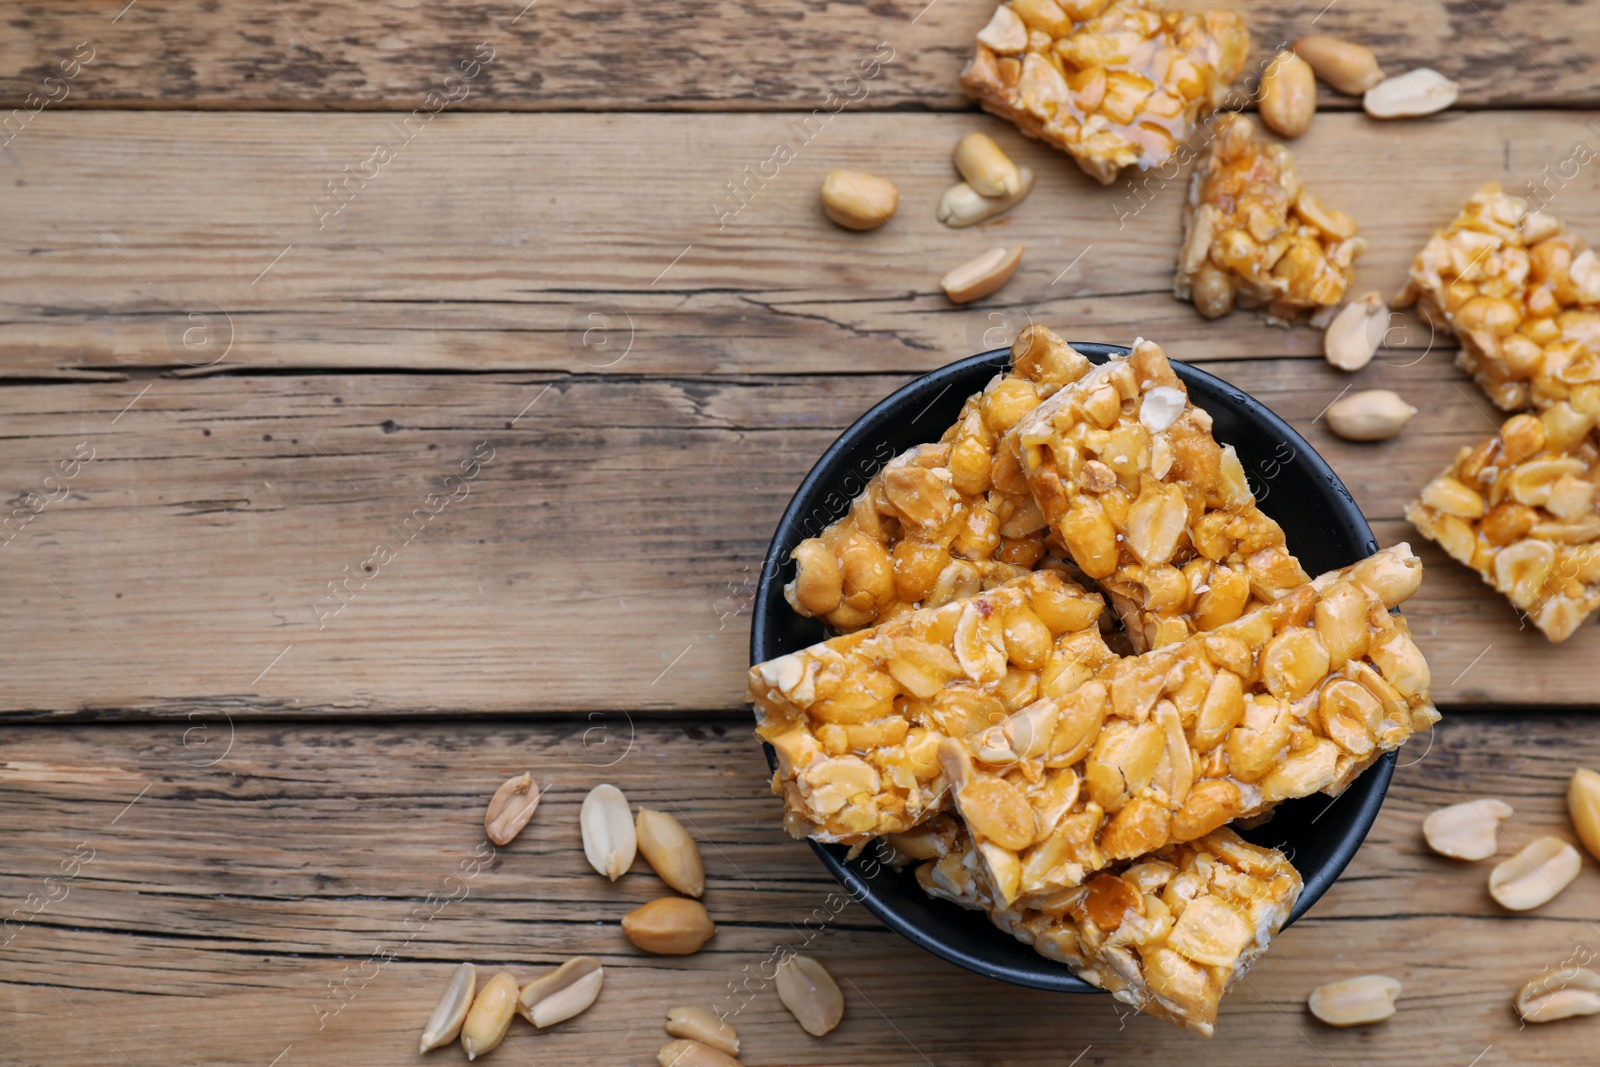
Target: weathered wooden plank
(697,54)
(191,241)
(242,905)
(272,543)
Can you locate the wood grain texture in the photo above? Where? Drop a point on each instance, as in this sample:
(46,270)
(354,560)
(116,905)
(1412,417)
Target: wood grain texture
(686,54)
(221,902)
(192,241)
(603,556)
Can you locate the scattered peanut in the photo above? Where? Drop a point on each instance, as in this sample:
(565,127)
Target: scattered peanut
(962,205)
(979,277)
(1466,831)
(1370,415)
(858,201)
(490,1015)
(1355,1001)
(986,166)
(1544,867)
(1583,808)
(1288,95)
(445,1022)
(1559,995)
(1348,67)
(1355,333)
(699,1024)
(1419,92)
(563,993)
(682,1053)
(608,839)
(669,849)
(510,808)
(671,926)
(811,995)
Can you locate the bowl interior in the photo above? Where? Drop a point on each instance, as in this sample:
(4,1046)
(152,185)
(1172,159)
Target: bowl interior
(1292,484)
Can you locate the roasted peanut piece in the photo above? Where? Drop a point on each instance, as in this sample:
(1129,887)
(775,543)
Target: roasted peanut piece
(1370,415)
(1353,337)
(857,200)
(671,926)
(1559,995)
(563,993)
(451,1011)
(609,842)
(684,1053)
(962,205)
(669,849)
(982,275)
(1544,867)
(1355,1001)
(1418,92)
(490,1015)
(1288,95)
(986,167)
(1583,808)
(811,995)
(1348,67)
(702,1025)
(510,808)
(1466,831)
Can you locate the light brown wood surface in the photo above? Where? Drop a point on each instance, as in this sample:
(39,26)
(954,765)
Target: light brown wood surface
(293,860)
(616,532)
(610,55)
(558,249)
(554,281)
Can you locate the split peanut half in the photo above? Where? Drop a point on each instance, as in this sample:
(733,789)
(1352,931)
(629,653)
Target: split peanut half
(510,808)
(685,1053)
(1415,93)
(1466,831)
(669,849)
(1368,998)
(982,275)
(700,1024)
(1559,995)
(1370,415)
(490,1016)
(563,993)
(1544,867)
(1583,807)
(608,838)
(985,167)
(451,1011)
(811,995)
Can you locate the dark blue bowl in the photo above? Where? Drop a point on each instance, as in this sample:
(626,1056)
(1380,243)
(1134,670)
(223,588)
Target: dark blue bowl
(1293,485)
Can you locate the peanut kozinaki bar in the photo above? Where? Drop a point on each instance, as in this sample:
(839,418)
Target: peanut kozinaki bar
(1111,84)
(1167,934)
(1295,697)
(1522,510)
(1254,236)
(1146,502)
(1522,293)
(1102,759)
(941,521)
(856,721)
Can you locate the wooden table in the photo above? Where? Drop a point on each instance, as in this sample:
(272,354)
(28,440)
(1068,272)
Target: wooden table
(431,377)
